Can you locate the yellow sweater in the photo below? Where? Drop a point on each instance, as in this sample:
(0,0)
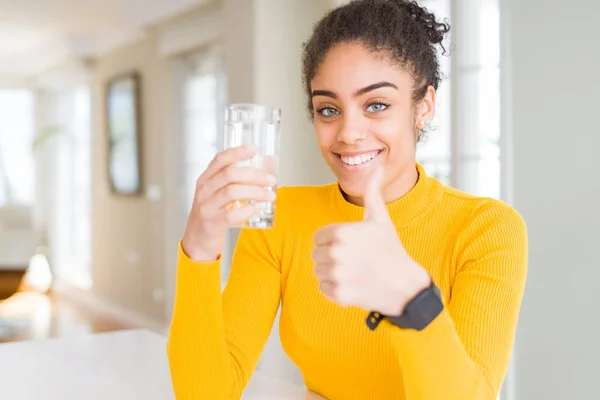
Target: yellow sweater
(474,248)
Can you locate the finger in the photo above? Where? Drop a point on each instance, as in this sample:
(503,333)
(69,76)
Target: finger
(336,233)
(320,271)
(323,255)
(375,209)
(238,216)
(327,235)
(233,174)
(227,158)
(328,289)
(335,293)
(239,192)
(325,272)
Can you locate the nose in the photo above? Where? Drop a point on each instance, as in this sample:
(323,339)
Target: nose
(352,128)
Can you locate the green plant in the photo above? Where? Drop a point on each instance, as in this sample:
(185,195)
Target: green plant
(45,135)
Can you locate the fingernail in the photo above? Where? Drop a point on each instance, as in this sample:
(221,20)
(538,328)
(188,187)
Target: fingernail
(272,196)
(271,179)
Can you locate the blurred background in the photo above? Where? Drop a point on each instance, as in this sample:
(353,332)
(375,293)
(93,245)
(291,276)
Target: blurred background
(110,110)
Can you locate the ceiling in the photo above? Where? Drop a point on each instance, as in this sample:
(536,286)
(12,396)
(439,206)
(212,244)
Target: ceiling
(36,35)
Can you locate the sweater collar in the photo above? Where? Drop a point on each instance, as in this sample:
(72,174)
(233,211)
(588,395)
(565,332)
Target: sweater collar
(419,200)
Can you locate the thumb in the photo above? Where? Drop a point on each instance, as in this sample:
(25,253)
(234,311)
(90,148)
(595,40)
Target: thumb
(373,199)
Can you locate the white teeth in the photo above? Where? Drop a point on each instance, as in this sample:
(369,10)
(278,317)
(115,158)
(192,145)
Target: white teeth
(361,159)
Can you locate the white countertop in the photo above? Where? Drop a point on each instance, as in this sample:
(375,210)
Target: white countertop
(118,365)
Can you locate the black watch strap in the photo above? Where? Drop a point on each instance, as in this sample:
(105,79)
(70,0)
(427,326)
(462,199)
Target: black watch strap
(418,313)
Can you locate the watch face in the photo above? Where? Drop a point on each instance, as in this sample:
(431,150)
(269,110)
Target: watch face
(421,311)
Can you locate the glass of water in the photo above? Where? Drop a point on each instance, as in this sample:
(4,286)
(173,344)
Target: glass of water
(256,125)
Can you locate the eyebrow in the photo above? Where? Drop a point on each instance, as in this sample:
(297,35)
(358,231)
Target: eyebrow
(360,92)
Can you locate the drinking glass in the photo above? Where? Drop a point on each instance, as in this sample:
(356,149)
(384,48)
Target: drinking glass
(257,125)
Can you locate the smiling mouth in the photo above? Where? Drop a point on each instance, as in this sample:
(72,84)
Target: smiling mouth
(359,159)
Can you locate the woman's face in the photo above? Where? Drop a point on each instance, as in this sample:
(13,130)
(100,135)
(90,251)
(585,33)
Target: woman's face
(365,118)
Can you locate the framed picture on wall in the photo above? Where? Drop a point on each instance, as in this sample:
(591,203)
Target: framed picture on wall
(124,134)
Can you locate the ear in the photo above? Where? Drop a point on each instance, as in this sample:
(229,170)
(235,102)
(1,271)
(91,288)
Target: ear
(425,110)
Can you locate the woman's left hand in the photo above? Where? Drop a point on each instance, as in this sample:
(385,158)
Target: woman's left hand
(364,263)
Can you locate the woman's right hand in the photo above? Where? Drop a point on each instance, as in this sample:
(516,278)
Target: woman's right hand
(220,185)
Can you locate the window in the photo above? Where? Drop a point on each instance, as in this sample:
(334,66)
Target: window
(203,107)
(16,139)
(72,198)
(478,72)
(203,95)
(434,152)
(200,129)
(464,150)
(81,174)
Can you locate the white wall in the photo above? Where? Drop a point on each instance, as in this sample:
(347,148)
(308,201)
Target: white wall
(129,232)
(554,67)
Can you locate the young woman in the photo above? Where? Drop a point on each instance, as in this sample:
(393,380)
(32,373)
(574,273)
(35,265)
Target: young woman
(392,285)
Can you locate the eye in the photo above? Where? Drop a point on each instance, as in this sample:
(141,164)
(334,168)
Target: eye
(327,111)
(377,107)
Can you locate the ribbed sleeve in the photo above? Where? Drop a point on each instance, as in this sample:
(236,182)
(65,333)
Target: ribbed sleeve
(215,339)
(465,352)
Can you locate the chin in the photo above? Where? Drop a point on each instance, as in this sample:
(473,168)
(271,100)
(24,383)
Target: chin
(353,184)
(352,187)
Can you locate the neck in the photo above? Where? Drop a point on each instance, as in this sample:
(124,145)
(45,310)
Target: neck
(393,190)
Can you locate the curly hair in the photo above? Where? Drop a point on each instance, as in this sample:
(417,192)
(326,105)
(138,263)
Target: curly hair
(402,30)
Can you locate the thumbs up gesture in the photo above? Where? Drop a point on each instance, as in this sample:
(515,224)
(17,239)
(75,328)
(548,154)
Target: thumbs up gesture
(364,264)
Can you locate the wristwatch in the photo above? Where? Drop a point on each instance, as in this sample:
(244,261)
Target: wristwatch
(417,314)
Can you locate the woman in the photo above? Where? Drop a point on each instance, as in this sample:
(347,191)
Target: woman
(393,286)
